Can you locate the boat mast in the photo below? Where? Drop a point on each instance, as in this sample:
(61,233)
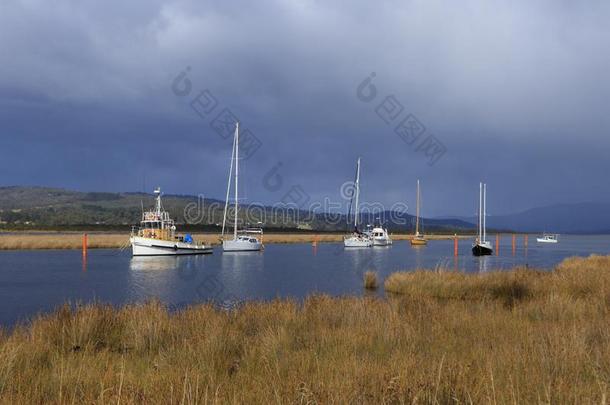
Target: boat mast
(417,212)
(236,175)
(480,209)
(224,217)
(484,211)
(357,194)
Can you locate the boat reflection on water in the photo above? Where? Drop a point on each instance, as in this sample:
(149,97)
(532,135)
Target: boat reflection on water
(162,276)
(484,263)
(154,263)
(239,273)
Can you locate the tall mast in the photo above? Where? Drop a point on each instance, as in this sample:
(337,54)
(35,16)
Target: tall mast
(357,194)
(417,212)
(236,175)
(480,208)
(224,217)
(484,210)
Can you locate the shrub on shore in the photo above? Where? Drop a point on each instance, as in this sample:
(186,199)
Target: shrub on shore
(452,338)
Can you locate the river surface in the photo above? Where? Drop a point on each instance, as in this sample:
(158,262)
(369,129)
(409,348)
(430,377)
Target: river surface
(32,282)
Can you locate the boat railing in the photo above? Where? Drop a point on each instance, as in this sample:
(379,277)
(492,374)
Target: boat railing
(258,231)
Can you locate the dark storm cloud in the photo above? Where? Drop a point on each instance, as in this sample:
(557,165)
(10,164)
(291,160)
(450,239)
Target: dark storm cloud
(517,92)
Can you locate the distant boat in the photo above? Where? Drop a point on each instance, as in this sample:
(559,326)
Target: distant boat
(548,238)
(156,235)
(380,236)
(481,246)
(418,239)
(244,240)
(356,238)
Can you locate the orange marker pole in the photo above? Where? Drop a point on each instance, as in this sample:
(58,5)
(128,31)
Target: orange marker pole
(514,243)
(85,243)
(455,245)
(497,245)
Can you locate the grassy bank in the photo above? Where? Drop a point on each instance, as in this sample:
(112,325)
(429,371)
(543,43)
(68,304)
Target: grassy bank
(514,337)
(118,240)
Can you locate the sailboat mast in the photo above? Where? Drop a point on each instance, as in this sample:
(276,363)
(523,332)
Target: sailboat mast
(357,194)
(480,208)
(224,217)
(417,211)
(236,175)
(484,211)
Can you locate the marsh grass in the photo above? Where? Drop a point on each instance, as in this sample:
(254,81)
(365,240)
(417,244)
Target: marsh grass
(370,280)
(14,241)
(507,337)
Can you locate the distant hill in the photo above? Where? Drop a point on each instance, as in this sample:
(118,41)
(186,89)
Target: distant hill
(44,207)
(580,218)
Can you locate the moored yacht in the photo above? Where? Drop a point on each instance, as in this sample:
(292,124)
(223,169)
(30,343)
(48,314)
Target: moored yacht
(481,246)
(381,237)
(356,238)
(243,240)
(157,236)
(548,238)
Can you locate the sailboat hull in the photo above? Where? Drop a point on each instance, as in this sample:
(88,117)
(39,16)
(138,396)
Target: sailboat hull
(481,250)
(241,245)
(418,242)
(357,242)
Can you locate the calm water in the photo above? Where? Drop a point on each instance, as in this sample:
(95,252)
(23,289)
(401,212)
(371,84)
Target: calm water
(38,281)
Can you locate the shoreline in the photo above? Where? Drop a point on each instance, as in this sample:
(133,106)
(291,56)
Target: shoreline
(47,240)
(515,336)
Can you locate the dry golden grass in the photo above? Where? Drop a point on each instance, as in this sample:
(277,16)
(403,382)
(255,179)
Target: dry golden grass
(118,240)
(514,337)
(62,241)
(370,280)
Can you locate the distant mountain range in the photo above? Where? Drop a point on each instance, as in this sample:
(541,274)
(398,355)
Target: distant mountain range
(44,207)
(51,208)
(583,218)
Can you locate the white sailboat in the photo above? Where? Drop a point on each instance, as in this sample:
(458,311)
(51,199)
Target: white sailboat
(244,240)
(357,238)
(548,238)
(156,235)
(481,246)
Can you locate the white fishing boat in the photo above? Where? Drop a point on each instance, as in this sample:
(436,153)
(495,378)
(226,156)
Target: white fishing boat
(157,236)
(244,240)
(548,238)
(381,237)
(418,239)
(357,238)
(481,246)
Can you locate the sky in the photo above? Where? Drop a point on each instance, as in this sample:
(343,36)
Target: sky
(125,96)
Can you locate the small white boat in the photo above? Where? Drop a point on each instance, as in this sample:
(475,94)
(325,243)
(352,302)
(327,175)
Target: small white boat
(357,238)
(548,238)
(244,240)
(381,237)
(156,235)
(481,246)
